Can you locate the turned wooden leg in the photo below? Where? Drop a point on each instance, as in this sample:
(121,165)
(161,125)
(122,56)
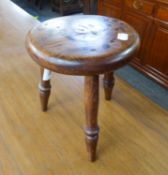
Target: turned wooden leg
(108,85)
(91,109)
(44,88)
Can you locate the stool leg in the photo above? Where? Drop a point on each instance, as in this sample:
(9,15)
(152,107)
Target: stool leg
(44,88)
(108,82)
(91,109)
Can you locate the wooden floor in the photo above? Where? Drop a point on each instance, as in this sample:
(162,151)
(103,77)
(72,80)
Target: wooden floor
(134,130)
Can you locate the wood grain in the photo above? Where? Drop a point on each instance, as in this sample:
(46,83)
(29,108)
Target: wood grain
(108,83)
(150,19)
(91,110)
(45,90)
(82,44)
(133,140)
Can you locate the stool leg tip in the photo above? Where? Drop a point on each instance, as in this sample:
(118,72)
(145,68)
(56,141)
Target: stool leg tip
(108,95)
(44,97)
(44,109)
(108,85)
(92,157)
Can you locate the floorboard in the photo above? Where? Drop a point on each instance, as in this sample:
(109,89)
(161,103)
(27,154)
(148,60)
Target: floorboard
(133,136)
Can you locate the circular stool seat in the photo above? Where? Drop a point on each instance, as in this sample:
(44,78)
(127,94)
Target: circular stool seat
(86,45)
(82,44)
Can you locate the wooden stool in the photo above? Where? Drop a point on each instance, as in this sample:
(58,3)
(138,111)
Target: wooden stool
(86,45)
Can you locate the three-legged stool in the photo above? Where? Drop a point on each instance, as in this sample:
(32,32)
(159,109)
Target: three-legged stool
(85,45)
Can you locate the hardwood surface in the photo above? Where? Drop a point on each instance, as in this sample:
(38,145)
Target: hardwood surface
(150,19)
(133,129)
(82,44)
